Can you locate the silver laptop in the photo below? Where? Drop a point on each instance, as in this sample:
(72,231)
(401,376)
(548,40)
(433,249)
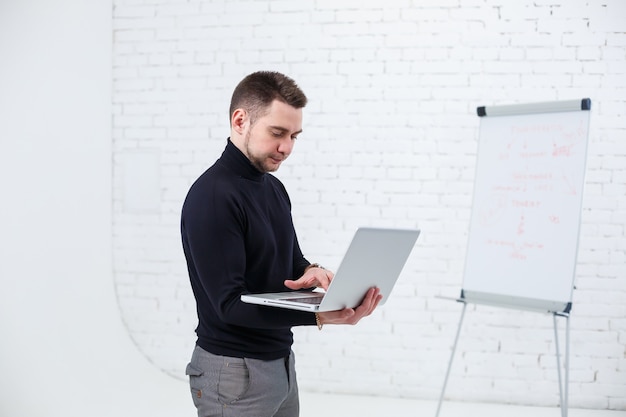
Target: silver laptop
(374,258)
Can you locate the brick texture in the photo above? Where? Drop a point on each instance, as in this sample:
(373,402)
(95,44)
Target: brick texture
(389,139)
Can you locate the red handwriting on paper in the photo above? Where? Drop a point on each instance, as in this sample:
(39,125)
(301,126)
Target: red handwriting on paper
(519,251)
(565,150)
(570,188)
(525,203)
(520,226)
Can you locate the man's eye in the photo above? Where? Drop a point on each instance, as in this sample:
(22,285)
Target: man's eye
(277,134)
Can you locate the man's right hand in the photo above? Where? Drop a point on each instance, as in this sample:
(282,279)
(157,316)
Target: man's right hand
(313,277)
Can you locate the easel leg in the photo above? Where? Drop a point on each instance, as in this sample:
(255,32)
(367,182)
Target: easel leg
(563,387)
(566,364)
(456,340)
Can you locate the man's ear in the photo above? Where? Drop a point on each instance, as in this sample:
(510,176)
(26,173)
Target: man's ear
(239,120)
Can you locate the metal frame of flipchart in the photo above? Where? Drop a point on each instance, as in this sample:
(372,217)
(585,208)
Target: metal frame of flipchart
(556,309)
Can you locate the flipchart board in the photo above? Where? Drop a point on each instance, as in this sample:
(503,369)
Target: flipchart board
(524,227)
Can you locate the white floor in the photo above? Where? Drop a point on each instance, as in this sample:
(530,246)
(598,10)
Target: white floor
(329,405)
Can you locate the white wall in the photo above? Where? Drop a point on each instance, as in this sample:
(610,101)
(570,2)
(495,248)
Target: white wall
(63,348)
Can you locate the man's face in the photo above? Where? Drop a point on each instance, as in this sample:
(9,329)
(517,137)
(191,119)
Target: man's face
(269,141)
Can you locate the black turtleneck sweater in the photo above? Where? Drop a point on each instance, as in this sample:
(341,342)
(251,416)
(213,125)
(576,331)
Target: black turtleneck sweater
(238,238)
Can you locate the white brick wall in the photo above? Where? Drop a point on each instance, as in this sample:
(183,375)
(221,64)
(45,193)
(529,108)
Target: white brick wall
(389,140)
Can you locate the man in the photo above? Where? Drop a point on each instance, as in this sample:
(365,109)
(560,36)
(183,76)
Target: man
(238,238)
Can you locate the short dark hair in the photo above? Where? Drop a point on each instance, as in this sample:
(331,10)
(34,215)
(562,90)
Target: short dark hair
(256,92)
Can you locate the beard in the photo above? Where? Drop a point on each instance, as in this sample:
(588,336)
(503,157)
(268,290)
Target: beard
(263,163)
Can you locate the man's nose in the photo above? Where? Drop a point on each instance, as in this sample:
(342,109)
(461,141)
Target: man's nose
(286,146)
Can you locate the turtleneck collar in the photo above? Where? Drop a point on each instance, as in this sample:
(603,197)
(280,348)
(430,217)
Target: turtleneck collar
(239,163)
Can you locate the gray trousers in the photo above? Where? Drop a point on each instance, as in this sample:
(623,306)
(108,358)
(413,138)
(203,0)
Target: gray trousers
(241,387)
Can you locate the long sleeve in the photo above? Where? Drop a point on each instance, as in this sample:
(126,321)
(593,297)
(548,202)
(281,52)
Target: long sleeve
(238,238)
